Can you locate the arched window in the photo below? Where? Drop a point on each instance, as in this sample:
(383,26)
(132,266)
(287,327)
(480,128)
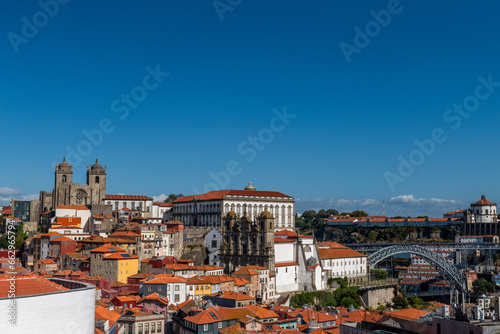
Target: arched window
(97,179)
(64,178)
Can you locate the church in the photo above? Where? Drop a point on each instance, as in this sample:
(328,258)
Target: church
(68,193)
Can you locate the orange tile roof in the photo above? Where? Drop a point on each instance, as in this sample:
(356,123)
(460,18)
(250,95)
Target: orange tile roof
(102,313)
(235,296)
(282,240)
(61,239)
(286,264)
(338,253)
(128,197)
(47,261)
(220,194)
(261,312)
(245,271)
(220,314)
(29,285)
(208,267)
(73,207)
(120,256)
(154,297)
(108,248)
(409,314)
(238,281)
(166,280)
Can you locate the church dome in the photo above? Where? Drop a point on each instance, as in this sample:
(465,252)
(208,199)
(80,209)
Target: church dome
(64,163)
(266,214)
(250,187)
(96,166)
(483,201)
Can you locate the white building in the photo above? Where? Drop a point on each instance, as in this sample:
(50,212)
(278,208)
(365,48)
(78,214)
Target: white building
(143,205)
(173,288)
(80,211)
(162,210)
(297,264)
(483,211)
(341,261)
(48,306)
(207,209)
(213,241)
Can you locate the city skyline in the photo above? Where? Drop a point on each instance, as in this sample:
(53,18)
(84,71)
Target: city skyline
(299,98)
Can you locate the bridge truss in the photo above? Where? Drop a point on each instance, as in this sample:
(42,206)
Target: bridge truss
(449,272)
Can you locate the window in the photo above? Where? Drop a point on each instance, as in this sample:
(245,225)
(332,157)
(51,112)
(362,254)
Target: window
(146,329)
(150,288)
(220,324)
(177,298)
(205,327)
(124,205)
(177,288)
(97,179)
(158,326)
(160,288)
(214,243)
(64,178)
(153,327)
(168,287)
(140,328)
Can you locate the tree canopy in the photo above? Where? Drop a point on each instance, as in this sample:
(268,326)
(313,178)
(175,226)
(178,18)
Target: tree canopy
(172,197)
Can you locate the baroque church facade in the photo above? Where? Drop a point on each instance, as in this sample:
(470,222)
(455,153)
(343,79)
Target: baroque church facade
(247,242)
(68,193)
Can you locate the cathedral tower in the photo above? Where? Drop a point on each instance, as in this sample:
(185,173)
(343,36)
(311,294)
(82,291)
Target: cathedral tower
(62,184)
(96,180)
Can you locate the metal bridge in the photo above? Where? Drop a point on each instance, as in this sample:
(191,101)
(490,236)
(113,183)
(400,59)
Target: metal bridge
(449,272)
(374,247)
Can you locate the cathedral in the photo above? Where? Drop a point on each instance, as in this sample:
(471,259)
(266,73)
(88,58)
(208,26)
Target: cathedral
(68,193)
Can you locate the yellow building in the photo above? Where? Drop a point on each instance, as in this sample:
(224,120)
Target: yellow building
(198,287)
(121,266)
(113,263)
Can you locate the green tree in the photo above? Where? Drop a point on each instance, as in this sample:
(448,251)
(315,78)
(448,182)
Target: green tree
(322,214)
(481,286)
(172,197)
(372,236)
(309,214)
(400,301)
(332,212)
(348,301)
(358,213)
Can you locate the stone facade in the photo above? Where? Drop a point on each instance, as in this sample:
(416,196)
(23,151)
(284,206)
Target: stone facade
(247,242)
(68,193)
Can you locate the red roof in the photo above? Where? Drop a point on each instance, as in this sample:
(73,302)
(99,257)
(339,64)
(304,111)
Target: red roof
(338,253)
(73,207)
(29,285)
(128,197)
(163,204)
(483,201)
(220,194)
(286,264)
(108,248)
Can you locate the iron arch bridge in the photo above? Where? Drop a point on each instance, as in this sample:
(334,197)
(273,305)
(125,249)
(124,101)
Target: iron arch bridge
(450,273)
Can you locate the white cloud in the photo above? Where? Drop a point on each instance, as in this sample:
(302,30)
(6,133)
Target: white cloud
(5,199)
(5,191)
(402,205)
(159,198)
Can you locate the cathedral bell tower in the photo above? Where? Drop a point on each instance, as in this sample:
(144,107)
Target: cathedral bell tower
(96,180)
(63,180)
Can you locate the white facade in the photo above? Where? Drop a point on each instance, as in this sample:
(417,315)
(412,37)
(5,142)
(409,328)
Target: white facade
(68,312)
(174,289)
(483,211)
(162,210)
(213,241)
(142,204)
(297,264)
(341,261)
(206,210)
(74,211)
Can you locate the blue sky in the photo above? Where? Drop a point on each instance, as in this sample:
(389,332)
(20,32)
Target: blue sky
(350,118)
